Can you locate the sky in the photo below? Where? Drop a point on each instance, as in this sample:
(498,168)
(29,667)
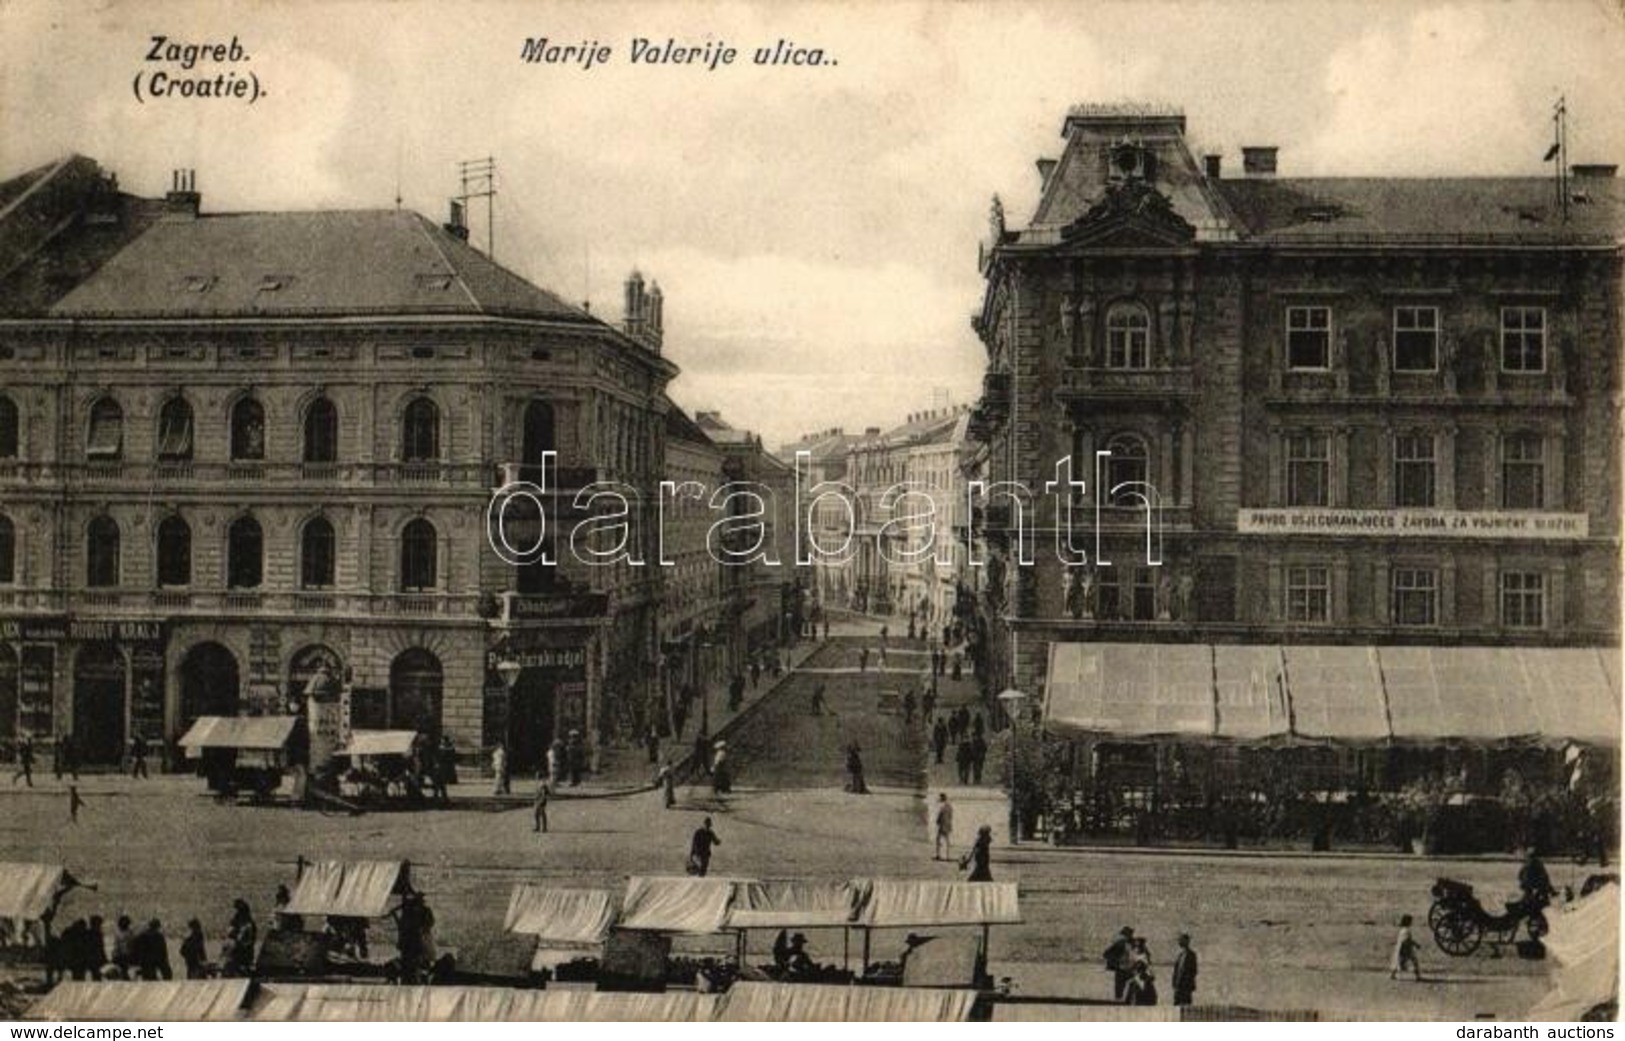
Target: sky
(814,229)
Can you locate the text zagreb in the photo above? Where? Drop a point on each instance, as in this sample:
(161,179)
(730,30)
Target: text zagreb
(187,56)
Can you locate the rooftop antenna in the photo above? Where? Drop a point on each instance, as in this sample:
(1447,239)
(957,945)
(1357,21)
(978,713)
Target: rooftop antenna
(479,179)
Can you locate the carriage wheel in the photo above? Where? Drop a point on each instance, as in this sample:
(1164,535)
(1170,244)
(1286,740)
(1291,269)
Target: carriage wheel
(1537,925)
(1458,934)
(1436,913)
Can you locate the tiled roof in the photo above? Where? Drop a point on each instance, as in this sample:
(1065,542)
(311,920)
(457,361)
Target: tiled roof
(311,263)
(1423,210)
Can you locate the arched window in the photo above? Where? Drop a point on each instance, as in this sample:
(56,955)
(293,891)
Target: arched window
(1128,337)
(101,553)
(245,554)
(8,551)
(248,430)
(174,552)
(321,432)
(175,431)
(420,432)
(1129,464)
(8,428)
(105,438)
(418,553)
(316,555)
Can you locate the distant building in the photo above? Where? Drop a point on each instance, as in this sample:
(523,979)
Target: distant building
(827,518)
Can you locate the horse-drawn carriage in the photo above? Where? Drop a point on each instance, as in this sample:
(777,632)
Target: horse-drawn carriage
(1461,923)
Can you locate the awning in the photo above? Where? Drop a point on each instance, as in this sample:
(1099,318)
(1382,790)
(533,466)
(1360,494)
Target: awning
(791,905)
(26,890)
(379,742)
(897,904)
(356,889)
(1346,694)
(815,1003)
(1057,1012)
(560,916)
(265,733)
(1584,943)
(156,1000)
(377,1003)
(677,903)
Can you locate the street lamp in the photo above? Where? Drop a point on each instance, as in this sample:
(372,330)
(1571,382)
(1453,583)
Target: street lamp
(1012,700)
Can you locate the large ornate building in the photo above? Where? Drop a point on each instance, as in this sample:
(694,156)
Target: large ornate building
(1359,413)
(237,447)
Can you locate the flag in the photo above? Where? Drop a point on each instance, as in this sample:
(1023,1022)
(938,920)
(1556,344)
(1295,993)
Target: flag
(1551,153)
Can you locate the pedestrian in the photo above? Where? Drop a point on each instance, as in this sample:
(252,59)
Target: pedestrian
(1140,990)
(755,672)
(95,954)
(912,632)
(721,771)
(575,754)
(499,770)
(445,769)
(817,706)
(944,846)
(138,764)
(1405,948)
(928,703)
(959,665)
(884,632)
(980,857)
(702,752)
(280,918)
(666,779)
(25,761)
(195,951)
(854,771)
(863,659)
(123,933)
(68,749)
(1119,959)
(978,757)
(977,727)
(651,741)
(883,655)
(538,806)
(149,952)
(962,759)
(699,849)
(826,628)
(75,803)
(72,946)
(1184,974)
(1534,882)
(736,691)
(241,937)
(908,707)
(555,760)
(939,739)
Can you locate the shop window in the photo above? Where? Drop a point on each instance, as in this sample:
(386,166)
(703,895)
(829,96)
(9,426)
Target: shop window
(1309,338)
(1523,599)
(102,553)
(174,552)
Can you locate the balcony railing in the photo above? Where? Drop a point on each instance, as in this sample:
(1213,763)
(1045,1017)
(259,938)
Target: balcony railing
(1079,381)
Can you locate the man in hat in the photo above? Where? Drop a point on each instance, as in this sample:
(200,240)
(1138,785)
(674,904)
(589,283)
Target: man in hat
(1119,958)
(799,962)
(1184,976)
(699,849)
(944,821)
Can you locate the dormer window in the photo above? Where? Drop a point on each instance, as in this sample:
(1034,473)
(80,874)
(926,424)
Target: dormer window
(1130,161)
(437,280)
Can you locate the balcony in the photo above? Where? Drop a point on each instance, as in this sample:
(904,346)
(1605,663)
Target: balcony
(1078,382)
(171,600)
(242,601)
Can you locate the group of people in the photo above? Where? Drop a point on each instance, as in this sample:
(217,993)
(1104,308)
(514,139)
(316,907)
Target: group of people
(85,950)
(1129,961)
(431,765)
(967,733)
(566,761)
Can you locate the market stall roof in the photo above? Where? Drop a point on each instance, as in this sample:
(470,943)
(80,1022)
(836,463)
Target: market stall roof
(790,905)
(1584,942)
(1075,1012)
(26,890)
(895,903)
(374,1003)
(1350,694)
(560,916)
(379,742)
(816,1003)
(265,733)
(677,903)
(351,889)
(146,1000)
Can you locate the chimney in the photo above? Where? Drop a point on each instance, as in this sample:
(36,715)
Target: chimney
(657,307)
(1210,165)
(1594,169)
(872,432)
(1259,160)
(633,322)
(455,224)
(182,199)
(1046,167)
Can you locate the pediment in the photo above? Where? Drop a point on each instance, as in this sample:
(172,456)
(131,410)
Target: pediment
(1130,216)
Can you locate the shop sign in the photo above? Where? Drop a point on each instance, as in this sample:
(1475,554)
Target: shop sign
(1414,523)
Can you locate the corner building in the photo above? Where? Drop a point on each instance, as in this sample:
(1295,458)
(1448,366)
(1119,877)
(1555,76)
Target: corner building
(235,447)
(1370,412)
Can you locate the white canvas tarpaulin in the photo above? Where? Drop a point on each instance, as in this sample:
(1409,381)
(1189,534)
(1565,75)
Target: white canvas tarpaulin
(379,742)
(353,889)
(911,903)
(324,1002)
(677,903)
(26,889)
(377,1003)
(1584,944)
(262,733)
(814,1003)
(1572,692)
(1249,694)
(1500,693)
(145,1001)
(1056,1012)
(1139,689)
(560,916)
(1336,693)
(790,905)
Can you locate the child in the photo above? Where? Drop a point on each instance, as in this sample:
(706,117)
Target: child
(1405,951)
(668,784)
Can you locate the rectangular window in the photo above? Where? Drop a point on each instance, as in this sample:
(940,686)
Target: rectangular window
(1308,594)
(1523,599)
(1308,337)
(1523,472)
(1413,470)
(1523,339)
(1308,470)
(1416,339)
(1416,596)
